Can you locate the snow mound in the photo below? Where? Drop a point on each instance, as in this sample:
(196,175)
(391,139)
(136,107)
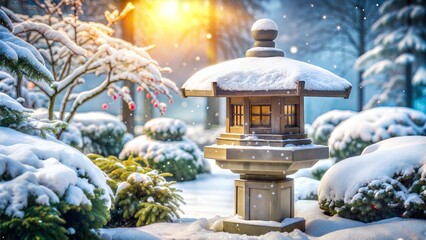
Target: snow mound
(98,118)
(164,129)
(160,151)
(273,73)
(46,170)
(100,132)
(199,229)
(182,158)
(305,188)
(323,125)
(373,125)
(388,179)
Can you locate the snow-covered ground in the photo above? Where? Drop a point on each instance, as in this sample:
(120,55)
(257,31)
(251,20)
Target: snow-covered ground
(209,200)
(210,195)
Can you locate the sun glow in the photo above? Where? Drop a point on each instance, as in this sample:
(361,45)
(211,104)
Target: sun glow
(180,14)
(168,9)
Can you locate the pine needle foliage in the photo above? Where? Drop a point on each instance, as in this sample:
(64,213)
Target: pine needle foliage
(403,195)
(142,195)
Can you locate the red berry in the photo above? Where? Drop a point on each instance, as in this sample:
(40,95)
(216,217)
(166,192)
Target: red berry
(139,89)
(171,101)
(156,105)
(148,96)
(156,92)
(114,97)
(104,106)
(132,106)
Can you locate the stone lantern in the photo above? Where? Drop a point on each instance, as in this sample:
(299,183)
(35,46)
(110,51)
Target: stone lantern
(265,138)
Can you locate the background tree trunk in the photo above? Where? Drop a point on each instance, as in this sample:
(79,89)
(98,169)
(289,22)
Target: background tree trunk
(127,115)
(213,104)
(408,85)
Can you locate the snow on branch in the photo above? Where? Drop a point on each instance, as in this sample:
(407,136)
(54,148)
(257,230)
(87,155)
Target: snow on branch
(5,21)
(50,34)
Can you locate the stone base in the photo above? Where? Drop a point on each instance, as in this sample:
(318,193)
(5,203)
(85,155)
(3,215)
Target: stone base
(264,200)
(256,227)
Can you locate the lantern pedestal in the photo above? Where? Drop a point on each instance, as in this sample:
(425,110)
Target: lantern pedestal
(264,196)
(264,206)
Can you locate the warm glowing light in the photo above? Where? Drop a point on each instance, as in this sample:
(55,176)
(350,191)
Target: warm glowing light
(208,36)
(168,9)
(294,50)
(179,15)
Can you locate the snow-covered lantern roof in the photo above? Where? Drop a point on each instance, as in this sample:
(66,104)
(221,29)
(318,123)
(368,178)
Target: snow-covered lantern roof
(265,71)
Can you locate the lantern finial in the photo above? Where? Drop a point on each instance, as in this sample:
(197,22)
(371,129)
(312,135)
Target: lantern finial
(264,31)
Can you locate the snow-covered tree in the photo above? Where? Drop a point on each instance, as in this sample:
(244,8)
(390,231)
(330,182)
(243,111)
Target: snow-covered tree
(75,49)
(20,59)
(49,190)
(398,59)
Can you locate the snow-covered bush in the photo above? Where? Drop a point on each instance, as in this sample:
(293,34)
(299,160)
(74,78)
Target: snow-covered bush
(322,126)
(307,180)
(101,133)
(387,180)
(14,115)
(373,125)
(142,195)
(305,188)
(176,154)
(49,190)
(165,129)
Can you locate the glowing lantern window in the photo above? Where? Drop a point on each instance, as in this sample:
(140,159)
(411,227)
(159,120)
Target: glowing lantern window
(290,114)
(238,115)
(261,115)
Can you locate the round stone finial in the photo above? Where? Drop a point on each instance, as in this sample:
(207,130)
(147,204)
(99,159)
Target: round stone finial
(264,24)
(264,31)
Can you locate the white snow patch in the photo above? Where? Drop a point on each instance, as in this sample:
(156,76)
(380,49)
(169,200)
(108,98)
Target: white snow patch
(264,24)
(8,102)
(378,161)
(159,151)
(273,73)
(166,125)
(377,124)
(45,169)
(305,188)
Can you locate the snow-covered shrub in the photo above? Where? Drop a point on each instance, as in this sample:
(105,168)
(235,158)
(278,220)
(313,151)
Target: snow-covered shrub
(373,125)
(102,133)
(387,180)
(305,188)
(165,129)
(176,154)
(49,190)
(306,180)
(322,126)
(14,115)
(142,195)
